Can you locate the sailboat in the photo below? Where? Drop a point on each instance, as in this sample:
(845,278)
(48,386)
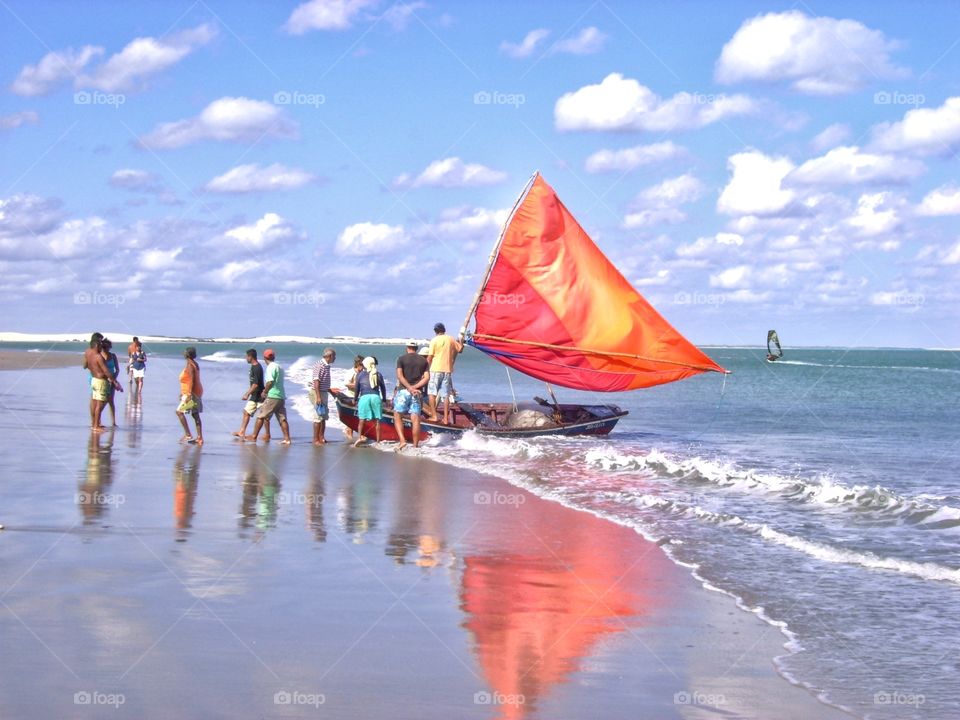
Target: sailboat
(552,306)
(774,351)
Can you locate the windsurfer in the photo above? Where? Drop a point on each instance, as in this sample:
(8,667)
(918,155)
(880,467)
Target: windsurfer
(413,374)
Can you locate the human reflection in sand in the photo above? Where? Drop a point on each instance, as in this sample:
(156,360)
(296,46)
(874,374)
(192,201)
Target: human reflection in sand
(417,535)
(94,494)
(260,490)
(186,475)
(536,614)
(133,414)
(358,501)
(313,507)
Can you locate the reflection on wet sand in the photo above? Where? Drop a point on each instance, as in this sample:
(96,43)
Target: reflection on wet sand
(418,523)
(93,491)
(260,489)
(313,507)
(536,615)
(133,415)
(186,473)
(357,506)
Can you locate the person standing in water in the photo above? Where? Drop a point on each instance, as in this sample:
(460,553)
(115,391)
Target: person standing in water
(99,380)
(319,391)
(191,394)
(443,352)
(413,374)
(138,365)
(371,394)
(274,399)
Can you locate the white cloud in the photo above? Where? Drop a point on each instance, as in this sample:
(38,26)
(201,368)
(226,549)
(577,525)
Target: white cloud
(230,274)
(851,166)
(144,57)
(633,157)
(661,277)
(371,239)
(28,215)
(619,103)
(399,14)
(944,200)
(227,119)
(468,224)
(830,137)
(817,56)
(266,232)
(159,259)
(952,255)
(15,120)
(527,46)
(876,214)
(660,203)
(53,69)
(732,278)
(381,305)
(755,185)
(587,42)
(136,180)
(720,243)
(324,15)
(451,172)
(926,131)
(253,178)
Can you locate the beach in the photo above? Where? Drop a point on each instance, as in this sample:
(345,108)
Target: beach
(143,578)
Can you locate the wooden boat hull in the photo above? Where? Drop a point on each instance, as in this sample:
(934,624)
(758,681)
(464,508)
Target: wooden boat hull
(578,420)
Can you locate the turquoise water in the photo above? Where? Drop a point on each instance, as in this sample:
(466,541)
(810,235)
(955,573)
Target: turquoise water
(821,491)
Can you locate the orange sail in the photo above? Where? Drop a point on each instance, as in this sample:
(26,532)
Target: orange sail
(554,307)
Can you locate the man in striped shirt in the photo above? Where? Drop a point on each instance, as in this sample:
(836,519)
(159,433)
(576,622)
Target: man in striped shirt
(318,394)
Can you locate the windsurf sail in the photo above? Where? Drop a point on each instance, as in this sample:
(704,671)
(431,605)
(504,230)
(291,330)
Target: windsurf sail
(552,306)
(774,350)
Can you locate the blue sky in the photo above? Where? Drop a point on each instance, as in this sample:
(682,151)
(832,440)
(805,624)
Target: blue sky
(342,167)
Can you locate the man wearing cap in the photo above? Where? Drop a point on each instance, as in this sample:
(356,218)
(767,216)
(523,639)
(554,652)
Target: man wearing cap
(318,394)
(443,352)
(413,374)
(273,399)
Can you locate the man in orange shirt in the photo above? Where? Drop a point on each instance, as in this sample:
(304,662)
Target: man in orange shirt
(441,356)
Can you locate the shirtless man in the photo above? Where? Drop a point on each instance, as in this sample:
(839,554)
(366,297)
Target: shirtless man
(131,349)
(100,381)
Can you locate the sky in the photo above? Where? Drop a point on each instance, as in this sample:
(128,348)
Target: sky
(343,167)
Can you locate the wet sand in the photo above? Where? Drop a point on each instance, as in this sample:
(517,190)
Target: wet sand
(142,579)
(24,360)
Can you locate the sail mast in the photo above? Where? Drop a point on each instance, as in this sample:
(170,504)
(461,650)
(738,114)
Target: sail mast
(493,255)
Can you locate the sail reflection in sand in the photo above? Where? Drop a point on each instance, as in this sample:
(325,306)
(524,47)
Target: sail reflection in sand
(535,616)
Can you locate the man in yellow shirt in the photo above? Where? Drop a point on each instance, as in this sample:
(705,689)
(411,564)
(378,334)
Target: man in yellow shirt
(441,356)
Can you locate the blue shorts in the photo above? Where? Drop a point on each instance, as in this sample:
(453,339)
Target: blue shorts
(404,402)
(369,407)
(440,384)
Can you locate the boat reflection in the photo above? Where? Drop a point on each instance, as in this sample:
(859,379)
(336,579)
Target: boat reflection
(93,491)
(535,615)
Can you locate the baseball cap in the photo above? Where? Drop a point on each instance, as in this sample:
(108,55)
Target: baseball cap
(269,354)
(412,343)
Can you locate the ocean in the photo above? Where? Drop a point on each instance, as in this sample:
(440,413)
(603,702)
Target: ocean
(821,492)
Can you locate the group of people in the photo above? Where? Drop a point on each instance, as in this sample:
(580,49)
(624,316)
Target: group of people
(104,368)
(424,380)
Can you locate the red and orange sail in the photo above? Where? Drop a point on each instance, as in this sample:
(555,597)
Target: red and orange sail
(554,307)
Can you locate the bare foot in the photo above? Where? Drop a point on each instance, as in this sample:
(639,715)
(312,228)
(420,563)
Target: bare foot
(266,438)
(360,441)
(288,441)
(401,446)
(199,441)
(186,438)
(250,438)
(319,442)
(238,434)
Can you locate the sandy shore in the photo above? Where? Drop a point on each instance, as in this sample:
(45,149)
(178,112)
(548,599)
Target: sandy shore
(23,360)
(140,578)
